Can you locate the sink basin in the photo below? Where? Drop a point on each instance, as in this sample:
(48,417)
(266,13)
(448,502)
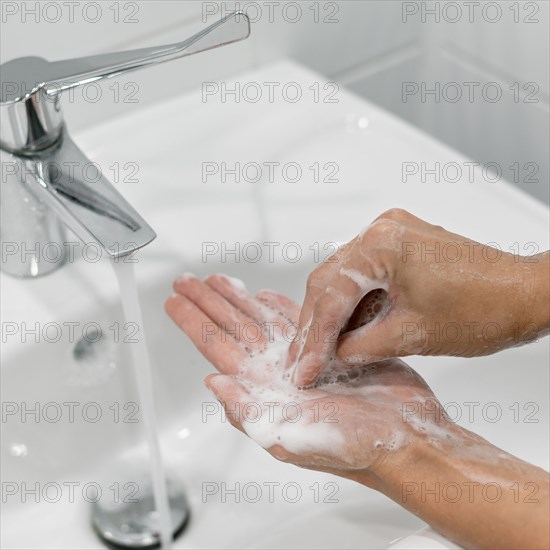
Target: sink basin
(240,497)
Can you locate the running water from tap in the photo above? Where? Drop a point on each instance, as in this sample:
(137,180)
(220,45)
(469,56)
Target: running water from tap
(132,312)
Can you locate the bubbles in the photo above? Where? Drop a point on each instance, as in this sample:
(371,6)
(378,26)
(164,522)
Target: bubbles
(269,386)
(372,307)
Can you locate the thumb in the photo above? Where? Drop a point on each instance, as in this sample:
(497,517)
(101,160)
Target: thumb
(372,307)
(379,339)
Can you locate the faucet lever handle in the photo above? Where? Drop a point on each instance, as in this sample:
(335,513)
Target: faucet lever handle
(24,77)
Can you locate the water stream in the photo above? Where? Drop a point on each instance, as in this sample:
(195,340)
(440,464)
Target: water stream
(132,312)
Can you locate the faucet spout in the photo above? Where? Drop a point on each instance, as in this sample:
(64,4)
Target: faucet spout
(46,193)
(88,205)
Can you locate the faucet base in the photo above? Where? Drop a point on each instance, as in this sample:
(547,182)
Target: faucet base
(33,239)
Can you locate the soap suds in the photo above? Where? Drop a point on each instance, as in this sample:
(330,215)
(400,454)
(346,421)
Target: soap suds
(236,283)
(313,421)
(348,416)
(370,310)
(366,284)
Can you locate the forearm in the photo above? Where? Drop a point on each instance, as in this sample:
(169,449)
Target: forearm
(472,492)
(541,293)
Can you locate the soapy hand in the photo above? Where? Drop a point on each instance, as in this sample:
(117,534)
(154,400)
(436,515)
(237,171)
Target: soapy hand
(429,291)
(349,423)
(378,424)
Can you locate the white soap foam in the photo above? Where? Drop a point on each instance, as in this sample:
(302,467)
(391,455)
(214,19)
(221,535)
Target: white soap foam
(237,283)
(280,414)
(366,284)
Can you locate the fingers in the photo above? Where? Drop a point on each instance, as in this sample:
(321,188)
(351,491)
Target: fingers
(269,309)
(381,339)
(316,284)
(280,314)
(288,309)
(332,312)
(219,315)
(229,318)
(236,295)
(421,228)
(403,217)
(367,264)
(371,307)
(219,348)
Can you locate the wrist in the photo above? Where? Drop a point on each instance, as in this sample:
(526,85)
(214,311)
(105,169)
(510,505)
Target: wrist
(424,452)
(466,486)
(403,472)
(443,452)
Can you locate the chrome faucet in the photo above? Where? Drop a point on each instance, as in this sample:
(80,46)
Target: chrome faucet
(43,191)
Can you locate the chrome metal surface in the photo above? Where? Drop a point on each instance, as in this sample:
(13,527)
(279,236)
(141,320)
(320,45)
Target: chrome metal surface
(133,522)
(45,182)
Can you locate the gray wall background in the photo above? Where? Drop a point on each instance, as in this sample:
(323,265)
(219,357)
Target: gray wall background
(375,48)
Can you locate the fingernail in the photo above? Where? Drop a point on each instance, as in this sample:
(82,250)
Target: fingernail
(184,277)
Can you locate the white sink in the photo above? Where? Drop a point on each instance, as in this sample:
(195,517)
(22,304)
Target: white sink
(170,143)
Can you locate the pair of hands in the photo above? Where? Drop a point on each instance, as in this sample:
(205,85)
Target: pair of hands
(401,287)
(347,429)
